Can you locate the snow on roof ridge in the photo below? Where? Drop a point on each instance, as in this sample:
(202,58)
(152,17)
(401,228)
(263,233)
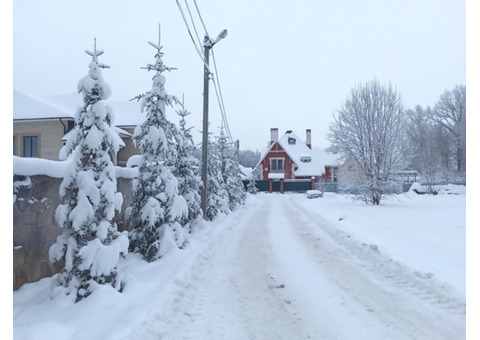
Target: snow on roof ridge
(30,106)
(294,151)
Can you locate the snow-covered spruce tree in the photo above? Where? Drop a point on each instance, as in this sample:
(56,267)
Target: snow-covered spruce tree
(186,170)
(217,195)
(252,184)
(90,244)
(230,170)
(157,207)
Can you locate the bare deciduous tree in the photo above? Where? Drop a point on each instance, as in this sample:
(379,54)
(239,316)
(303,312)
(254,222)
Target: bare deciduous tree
(450,112)
(418,123)
(369,129)
(429,146)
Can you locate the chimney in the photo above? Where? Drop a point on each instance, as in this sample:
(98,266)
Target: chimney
(273,135)
(309,138)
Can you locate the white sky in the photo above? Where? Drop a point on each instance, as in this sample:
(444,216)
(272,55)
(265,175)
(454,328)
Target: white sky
(285,63)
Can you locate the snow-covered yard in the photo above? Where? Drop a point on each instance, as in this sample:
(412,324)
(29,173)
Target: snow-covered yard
(283,267)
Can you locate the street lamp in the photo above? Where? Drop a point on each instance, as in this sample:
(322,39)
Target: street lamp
(208,44)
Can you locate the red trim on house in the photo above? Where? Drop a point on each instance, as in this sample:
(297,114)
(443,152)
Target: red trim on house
(276,151)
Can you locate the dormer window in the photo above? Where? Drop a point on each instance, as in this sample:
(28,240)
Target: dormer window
(305,159)
(291,141)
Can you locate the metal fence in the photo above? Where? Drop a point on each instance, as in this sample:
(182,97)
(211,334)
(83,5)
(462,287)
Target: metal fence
(304,185)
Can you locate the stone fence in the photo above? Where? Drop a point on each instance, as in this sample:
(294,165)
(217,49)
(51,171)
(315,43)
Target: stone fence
(35,199)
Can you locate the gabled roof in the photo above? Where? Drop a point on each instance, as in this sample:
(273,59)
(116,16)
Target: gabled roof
(246,172)
(125,113)
(29,107)
(299,151)
(121,132)
(295,150)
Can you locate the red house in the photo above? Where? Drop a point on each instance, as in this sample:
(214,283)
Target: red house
(288,158)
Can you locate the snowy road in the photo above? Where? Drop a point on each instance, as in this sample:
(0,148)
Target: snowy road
(282,272)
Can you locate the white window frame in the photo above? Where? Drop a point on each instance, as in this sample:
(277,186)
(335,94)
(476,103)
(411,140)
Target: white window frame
(275,160)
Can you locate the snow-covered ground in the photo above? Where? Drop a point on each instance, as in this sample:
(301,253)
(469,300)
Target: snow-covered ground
(283,267)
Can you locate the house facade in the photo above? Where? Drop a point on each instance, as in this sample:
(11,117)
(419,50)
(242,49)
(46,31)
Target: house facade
(40,126)
(289,158)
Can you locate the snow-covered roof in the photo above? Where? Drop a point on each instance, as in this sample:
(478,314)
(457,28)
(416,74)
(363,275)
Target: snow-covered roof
(30,107)
(310,162)
(246,172)
(296,149)
(121,132)
(125,113)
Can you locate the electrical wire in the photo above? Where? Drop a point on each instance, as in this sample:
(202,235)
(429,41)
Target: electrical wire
(193,24)
(215,79)
(191,36)
(220,99)
(224,121)
(200,16)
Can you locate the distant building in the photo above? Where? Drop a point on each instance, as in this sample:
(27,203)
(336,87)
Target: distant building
(290,158)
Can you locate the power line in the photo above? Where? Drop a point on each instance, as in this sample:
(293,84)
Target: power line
(190,34)
(215,78)
(220,100)
(193,24)
(200,16)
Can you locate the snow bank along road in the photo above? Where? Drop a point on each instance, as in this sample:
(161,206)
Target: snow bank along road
(282,272)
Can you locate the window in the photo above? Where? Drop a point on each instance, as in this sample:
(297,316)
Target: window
(291,140)
(305,159)
(335,172)
(30,146)
(276,165)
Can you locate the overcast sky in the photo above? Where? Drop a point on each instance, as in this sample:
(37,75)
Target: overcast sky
(287,64)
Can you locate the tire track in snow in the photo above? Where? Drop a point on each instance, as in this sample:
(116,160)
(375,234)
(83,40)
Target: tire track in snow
(232,292)
(386,297)
(423,285)
(326,309)
(279,271)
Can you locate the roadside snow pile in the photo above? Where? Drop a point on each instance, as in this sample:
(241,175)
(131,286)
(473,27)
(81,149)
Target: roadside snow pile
(314,194)
(447,189)
(190,290)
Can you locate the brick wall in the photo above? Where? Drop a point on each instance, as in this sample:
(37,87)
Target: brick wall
(35,199)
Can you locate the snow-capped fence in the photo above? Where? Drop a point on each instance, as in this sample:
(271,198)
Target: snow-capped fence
(35,199)
(294,185)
